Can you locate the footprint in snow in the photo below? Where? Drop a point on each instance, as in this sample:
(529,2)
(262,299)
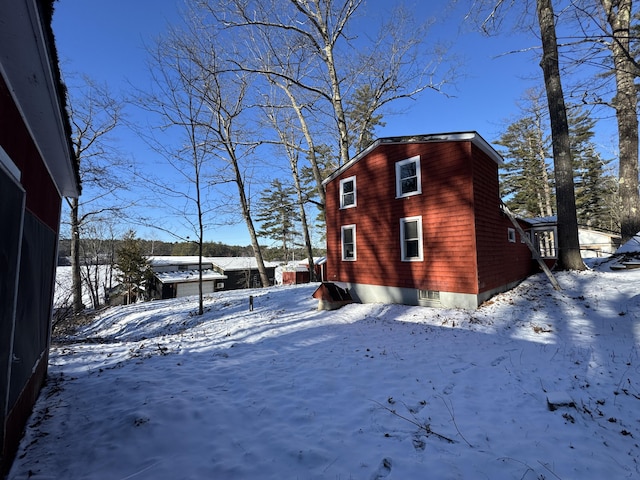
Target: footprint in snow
(462,369)
(416,409)
(383,470)
(498,361)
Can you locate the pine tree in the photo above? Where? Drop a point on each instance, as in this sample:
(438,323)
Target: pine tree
(134,270)
(362,120)
(278,214)
(525,183)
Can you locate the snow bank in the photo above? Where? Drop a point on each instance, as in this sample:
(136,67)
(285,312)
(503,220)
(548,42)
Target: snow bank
(152,391)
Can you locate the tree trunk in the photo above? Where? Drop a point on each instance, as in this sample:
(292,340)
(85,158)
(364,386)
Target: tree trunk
(310,143)
(200,296)
(200,231)
(76,277)
(303,217)
(625,103)
(568,244)
(336,99)
(246,213)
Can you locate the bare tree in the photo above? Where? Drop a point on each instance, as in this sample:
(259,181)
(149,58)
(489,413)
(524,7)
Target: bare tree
(315,26)
(305,47)
(95,114)
(398,63)
(599,61)
(287,132)
(568,244)
(225,97)
(98,259)
(224,93)
(183,114)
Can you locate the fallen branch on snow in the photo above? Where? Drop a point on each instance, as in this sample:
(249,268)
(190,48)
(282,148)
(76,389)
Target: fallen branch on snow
(424,428)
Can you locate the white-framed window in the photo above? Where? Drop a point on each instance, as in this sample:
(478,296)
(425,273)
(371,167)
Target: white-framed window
(348,240)
(411,239)
(348,192)
(511,235)
(408,179)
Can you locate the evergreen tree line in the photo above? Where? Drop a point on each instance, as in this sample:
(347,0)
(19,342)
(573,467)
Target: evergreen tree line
(96,251)
(527,180)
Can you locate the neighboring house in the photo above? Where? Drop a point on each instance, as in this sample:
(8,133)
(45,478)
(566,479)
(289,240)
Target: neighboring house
(418,220)
(177,276)
(36,170)
(242,272)
(594,243)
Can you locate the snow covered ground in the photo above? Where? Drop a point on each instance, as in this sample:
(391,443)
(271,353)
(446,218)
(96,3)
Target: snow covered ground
(151,391)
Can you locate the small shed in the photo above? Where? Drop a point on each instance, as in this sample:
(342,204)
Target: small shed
(184,283)
(595,243)
(295,277)
(298,272)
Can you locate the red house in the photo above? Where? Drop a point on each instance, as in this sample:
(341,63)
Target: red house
(418,220)
(36,170)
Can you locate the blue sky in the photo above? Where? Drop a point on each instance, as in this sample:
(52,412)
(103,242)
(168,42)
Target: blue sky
(106,41)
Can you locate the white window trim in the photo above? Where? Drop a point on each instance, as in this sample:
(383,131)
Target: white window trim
(355,196)
(511,235)
(403,252)
(355,248)
(399,164)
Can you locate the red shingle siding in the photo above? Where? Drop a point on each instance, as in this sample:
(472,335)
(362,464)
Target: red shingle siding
(446,206)
(499,261)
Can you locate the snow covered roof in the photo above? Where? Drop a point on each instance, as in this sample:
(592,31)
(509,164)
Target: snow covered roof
(552,220)
(238,263)
(631,246)
(224,263)
(185,276)
(316,261)
(164,260)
